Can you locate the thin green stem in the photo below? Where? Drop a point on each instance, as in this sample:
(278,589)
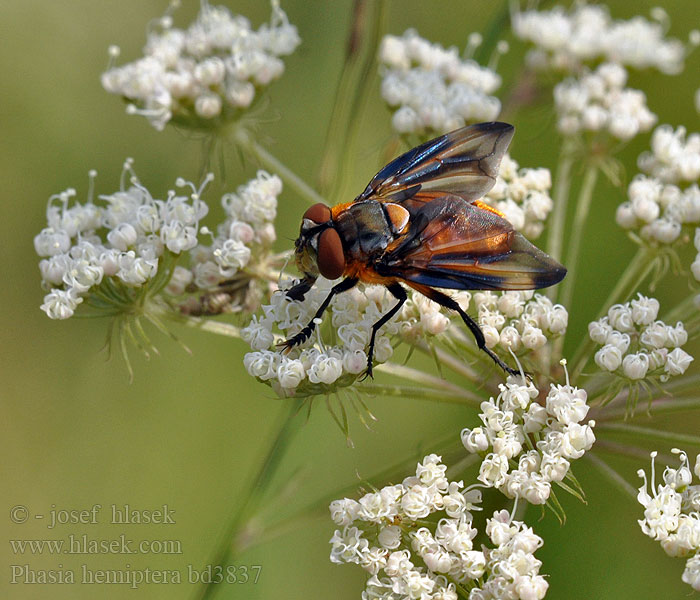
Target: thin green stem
(419,393)
(583,207)
(394,473)
(681,311)
(649,433)
(662,406)
(249,145)
(352,89)
(234,541)
(217,327)
(612,474)
(423,378)
(555,241)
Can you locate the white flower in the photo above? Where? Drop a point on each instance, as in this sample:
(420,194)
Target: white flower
(691,574)
(60,304)
(326,369)
(432,88)
(290,373)
(51,242)
(135,270)
(598,101)
(635,366)
(475,440)
(444,545)
(673,157)
(344,512)
(567,404)
(214,66)
(677,361)
(348,545)
(586,32)
(609,357)
(416,502)
(389,537)
(493,470)
(644,310)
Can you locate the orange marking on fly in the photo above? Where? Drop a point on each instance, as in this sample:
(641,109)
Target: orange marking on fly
(421,223)
(398,216)
(339,208)
(484,206)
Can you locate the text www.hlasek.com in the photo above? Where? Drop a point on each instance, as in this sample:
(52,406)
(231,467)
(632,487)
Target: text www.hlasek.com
(82,544)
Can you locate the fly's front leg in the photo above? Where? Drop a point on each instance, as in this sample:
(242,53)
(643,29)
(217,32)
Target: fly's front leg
(298,290)
(400,294)
(305,333)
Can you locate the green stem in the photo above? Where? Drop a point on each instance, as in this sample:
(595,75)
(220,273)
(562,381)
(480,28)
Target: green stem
(421,377)
(231,543)
(555,241)
(217,327)
(583,206)
(612,474)
(249,145)
(649,433)
(682,311)
(660,406)
(635,272)
(352,88)
(448,396)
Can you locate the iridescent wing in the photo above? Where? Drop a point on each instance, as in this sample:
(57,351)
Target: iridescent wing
(452,243)
(463,162)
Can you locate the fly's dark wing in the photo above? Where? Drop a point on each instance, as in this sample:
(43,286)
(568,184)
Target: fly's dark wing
(454,244)
(463,162)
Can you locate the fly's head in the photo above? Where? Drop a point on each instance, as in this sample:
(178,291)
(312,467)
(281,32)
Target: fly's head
(318,250)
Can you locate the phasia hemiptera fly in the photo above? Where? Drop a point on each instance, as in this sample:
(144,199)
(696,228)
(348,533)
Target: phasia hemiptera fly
(420,223)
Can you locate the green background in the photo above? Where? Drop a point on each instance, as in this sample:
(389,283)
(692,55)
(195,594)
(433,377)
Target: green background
(190,430)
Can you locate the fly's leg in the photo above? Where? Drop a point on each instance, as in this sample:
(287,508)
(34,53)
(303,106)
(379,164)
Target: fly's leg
(400,294)
(447,302)
(298,291)
(305,333)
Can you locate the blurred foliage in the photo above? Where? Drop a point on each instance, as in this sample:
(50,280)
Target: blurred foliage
(191,430)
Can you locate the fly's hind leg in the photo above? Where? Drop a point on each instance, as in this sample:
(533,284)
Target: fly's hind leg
(447,302)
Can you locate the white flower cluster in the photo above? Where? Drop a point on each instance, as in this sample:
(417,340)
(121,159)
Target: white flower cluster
(636,345)
(658,211)
(243,241)
(522,195)
(514,422)
(672,513)
(138,230)
(434,90)
(565,40)
(518,320)
(673,157)
(381,533)
(317,367)
(599,102)
(116,252)
(212,69)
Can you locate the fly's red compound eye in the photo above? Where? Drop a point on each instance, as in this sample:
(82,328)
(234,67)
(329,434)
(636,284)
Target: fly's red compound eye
(318,213)
(330,259)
